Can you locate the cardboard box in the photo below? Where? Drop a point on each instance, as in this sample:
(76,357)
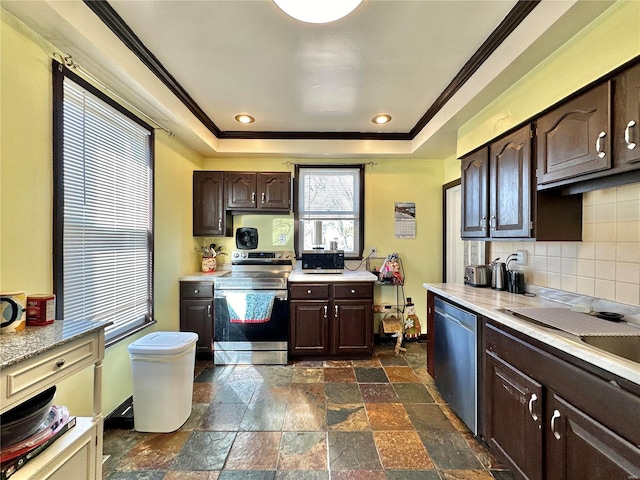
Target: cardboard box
(391,325)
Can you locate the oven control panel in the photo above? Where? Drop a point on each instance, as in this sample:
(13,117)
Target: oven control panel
(243,257)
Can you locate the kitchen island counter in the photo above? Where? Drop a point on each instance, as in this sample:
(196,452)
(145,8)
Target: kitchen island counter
(492,304)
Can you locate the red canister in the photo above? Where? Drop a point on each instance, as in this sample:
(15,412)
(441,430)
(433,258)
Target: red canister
(41,309)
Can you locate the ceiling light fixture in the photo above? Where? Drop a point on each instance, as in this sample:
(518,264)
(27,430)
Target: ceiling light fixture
(381,119)
(244,118)
(317,11)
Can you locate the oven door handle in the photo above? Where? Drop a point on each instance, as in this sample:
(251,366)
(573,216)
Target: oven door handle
(222,293)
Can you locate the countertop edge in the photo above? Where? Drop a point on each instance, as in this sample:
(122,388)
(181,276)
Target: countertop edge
(203,277)
(33,340)
(297,276)
(600,359)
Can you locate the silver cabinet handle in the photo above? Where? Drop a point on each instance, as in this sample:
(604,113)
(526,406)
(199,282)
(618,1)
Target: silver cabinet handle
(601,153)
(309,291)
(483,222)
(253,196)
(335,308)
(533,398)
(219,224)
(209,310)
(262,197)
(60,363)
(353,292)
(554,417)
(492,222)
(627,135)
(325,311)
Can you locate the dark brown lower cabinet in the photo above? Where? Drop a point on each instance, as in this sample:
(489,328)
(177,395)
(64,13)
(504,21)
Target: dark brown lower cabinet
(309,327)
(578,447)
(513,420)
(196,313)
(552,418)
(331,319)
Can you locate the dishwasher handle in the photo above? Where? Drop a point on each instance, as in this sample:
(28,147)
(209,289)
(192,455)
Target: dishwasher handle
(450,318)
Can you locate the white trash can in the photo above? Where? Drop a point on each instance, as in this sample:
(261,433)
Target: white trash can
(162,365)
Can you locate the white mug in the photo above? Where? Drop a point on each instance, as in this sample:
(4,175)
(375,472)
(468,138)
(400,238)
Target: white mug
(13,308)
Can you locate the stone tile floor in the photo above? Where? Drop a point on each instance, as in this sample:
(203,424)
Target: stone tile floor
(371,419)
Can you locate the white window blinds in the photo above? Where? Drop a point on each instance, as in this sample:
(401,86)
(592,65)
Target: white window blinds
(107,231)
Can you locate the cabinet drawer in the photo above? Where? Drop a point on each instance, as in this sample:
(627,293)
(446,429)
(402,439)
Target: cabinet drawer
(353,290)
(316,291)
(196,289)
(22,380)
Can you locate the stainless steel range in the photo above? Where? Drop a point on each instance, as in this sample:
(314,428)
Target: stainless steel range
(251,314)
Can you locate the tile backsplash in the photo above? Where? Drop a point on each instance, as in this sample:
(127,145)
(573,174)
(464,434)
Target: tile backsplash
(606,264)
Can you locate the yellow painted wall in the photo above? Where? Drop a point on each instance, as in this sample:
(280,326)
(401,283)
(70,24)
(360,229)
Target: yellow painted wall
(26,168)
(451,169)
(26,194)
(386,182)
(609,41)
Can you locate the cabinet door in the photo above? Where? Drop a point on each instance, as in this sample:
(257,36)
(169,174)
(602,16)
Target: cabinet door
(573,139)
(578,447)
(626,120)
(510,186)
(475,194)
(512,416)
(308,334)
(352,327)
(241,190)
(209,217)
(275,191)
(196,316)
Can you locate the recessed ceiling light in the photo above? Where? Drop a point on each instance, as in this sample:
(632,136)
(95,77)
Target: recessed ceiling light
(381,119)
(244,118)
(317,11)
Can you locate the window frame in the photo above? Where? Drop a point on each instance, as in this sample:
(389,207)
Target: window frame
(59,74)
(296,206)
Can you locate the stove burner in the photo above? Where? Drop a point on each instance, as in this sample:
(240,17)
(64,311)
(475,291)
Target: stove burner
(257,271)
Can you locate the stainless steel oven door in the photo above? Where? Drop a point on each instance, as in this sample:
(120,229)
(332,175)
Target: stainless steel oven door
(250,327)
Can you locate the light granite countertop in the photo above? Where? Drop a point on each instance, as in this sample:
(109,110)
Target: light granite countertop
(18,346)
(297,275)
(204,277)
(489,303)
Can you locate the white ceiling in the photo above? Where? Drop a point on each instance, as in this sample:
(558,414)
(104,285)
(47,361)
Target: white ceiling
(246,56)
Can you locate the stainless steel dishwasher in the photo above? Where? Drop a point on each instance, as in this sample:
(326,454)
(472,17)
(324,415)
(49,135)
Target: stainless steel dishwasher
(456,360)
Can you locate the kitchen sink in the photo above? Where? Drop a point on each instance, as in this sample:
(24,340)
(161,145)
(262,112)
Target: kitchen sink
(623,346)
(626,347)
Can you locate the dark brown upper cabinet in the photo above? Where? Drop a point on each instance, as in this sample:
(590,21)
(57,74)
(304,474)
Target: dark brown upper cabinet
(574,139)
(499,199)
(496,189)
(626,120)
(209,214)
(264,192)
(475,194)
(510,185)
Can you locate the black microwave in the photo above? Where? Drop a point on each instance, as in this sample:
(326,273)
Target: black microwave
(322,261)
